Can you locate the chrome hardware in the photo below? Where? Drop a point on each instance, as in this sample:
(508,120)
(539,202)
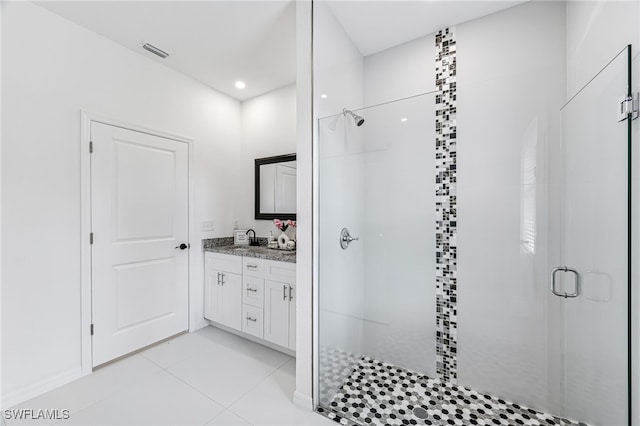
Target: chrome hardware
(345,238)
(218,278)
(251,265)
(222,274)
(251,319)
(628,106)
(252,289)
(576,293)
(284,292)
(290,293)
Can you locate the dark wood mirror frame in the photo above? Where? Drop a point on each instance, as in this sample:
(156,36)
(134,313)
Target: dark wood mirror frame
(256,189)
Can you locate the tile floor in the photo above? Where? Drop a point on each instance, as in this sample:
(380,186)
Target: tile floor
(209,377)
(379,393)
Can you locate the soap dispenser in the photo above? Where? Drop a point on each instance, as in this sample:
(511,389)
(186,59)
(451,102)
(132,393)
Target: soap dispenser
(271,241)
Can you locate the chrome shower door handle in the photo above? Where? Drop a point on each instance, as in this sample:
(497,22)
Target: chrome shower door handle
(345,238)
(576,291)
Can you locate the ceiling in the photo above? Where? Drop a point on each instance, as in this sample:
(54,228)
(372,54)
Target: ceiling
(218,42)
(374,26)
(215,42)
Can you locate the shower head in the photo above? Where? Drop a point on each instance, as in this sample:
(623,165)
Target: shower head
(359,120)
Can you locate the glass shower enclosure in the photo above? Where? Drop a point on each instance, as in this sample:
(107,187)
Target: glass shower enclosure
(448,295)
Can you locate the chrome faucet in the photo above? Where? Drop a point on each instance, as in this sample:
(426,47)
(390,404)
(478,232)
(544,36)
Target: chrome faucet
(252,241)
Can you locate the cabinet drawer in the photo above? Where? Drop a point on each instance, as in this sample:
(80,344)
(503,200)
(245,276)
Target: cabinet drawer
(281,271)
(252,321)
(253,267)
(223,262)
(253,291)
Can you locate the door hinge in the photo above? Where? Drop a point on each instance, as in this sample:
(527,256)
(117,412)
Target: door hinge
(92,329)
(90,147)
(91,238)
(628,106)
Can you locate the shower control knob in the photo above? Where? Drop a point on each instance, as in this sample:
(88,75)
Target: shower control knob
(346,238)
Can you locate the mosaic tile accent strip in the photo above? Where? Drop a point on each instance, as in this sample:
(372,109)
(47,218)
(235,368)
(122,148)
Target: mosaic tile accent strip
(379,393)
(446,253)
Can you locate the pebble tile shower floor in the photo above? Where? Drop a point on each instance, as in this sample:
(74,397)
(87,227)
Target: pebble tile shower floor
(378,393)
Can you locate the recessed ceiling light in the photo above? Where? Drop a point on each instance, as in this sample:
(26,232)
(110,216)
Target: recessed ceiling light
(240,85)
(323,96)
(404,119)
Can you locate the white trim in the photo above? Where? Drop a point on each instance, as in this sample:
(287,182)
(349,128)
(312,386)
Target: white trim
(86,119)
(304,259)
(41,387)
(85,247)
(303,400)
(254,339)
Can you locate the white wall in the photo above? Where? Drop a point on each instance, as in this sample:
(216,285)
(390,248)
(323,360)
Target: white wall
(399,72)
(51,70)
(338,74)
(268,129)
(303,395)
(511,86)
(399,230)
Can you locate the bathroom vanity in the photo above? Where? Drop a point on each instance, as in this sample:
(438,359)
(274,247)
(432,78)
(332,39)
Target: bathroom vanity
(251,291)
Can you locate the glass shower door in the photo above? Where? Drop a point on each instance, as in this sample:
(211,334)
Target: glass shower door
(592,280)
(376,293)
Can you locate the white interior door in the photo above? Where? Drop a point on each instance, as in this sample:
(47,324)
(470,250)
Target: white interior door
(139,190)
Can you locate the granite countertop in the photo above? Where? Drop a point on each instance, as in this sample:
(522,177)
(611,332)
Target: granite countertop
(225,246)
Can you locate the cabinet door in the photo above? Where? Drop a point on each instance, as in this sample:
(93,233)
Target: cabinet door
(276,313)
(232,300)
(213,296)
(292,317)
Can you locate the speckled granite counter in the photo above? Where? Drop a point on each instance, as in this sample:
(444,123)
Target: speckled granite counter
(225,246)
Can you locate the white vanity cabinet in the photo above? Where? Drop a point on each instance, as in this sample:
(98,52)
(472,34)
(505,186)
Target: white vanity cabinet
(223,289)
(265,304)
(279,310)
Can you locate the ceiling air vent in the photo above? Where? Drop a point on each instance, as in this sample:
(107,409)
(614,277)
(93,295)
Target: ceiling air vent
(151,48)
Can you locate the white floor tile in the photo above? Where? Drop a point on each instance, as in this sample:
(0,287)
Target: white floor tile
(224,374)
(270,403)
(92,388)
(158,400)
(227,418)
(206,372)
(236,343)
(175,350)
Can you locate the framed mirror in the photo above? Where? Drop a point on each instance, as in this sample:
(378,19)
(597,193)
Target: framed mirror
(275,187)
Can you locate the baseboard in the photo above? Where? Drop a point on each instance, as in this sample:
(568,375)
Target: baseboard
(41,387)
(200,324)
(303,400)
(254,339)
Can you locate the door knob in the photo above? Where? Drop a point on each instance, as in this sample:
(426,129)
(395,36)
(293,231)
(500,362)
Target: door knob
(183,246)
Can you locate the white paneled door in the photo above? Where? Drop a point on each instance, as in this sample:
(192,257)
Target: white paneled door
(139,190)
